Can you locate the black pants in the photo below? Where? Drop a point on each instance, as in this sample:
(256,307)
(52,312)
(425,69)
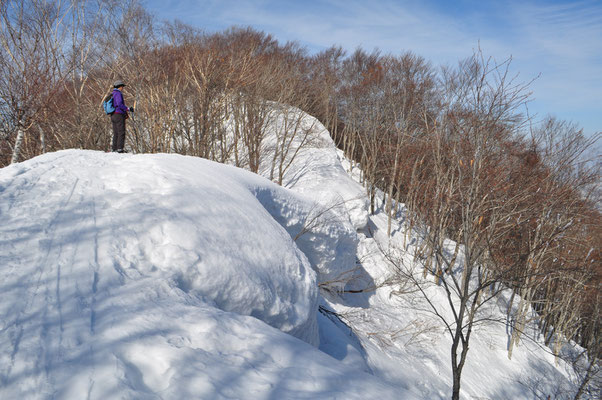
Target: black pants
(118,121)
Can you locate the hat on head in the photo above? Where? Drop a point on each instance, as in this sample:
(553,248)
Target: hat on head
(118,83)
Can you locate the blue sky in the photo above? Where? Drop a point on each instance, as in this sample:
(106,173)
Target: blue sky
(559,41)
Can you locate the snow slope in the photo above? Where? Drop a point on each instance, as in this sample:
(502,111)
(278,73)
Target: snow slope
(312,169)
(390,335)
(170,277)
(315,168)
(394,326)
(158,276)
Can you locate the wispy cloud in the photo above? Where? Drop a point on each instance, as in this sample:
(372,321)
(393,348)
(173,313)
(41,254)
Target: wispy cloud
(561,40)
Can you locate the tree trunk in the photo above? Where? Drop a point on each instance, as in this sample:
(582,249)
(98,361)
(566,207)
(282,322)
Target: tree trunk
(18,143)
(372,190)
(457,366)
(42,141)
(456,385)
(389,207)
(586,378)
(519,324)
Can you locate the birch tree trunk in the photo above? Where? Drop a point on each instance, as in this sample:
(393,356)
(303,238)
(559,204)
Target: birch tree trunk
(18,144)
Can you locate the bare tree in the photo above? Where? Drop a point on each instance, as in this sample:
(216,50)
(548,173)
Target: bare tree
(77,122)
(550,242)
(31,66)
(324,83)
(460,196)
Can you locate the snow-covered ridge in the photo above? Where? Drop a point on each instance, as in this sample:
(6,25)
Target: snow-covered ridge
(187,221)
(311,164)
(170,277)
(132,275)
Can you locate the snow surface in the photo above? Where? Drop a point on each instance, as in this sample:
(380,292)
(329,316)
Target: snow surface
(157,276)
(395,327)
(171,277)
(313,170)
(316,169)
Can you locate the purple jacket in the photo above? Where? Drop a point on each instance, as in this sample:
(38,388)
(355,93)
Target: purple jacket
(120,107)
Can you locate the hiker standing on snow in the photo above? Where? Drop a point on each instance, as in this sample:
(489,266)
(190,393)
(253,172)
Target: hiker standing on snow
(119,116)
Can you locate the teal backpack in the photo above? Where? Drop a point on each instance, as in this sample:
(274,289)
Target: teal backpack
(107,104)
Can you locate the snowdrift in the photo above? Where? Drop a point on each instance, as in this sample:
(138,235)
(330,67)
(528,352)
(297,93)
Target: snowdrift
(171,277)
(160,276)
(312,169)
(313,166)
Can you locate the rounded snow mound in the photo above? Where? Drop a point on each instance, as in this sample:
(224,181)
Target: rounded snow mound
(311,167)
(138,276)
(188,221)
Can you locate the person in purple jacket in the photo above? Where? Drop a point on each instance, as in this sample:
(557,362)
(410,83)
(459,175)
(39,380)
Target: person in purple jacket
(119,116)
